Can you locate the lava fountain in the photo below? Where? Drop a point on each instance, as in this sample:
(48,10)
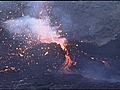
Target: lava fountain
(39,30)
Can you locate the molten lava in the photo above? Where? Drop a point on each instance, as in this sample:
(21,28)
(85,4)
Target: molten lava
(68,62)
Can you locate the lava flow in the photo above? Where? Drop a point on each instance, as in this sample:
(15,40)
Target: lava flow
(68,62)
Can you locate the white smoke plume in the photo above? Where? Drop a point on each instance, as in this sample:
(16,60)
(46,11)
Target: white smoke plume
(33,26)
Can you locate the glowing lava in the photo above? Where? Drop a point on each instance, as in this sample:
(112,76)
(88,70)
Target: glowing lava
(68,62)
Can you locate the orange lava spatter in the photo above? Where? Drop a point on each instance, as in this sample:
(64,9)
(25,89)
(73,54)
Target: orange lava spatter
(67,63)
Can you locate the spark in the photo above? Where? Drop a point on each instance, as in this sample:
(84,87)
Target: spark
(37,63)
(6,70)
(54,67)
(105,63)
(28,64)
(10,12)
(75,63)
(21,55)
(49,70)
(59,31)
(32,54)
(41,12)
(3,41)
(7,17)
(6,66)
(46,53)
(76,45)
(10,45)
(56,22)
(92,58)
(1,29)
(13,68)
(81,41)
